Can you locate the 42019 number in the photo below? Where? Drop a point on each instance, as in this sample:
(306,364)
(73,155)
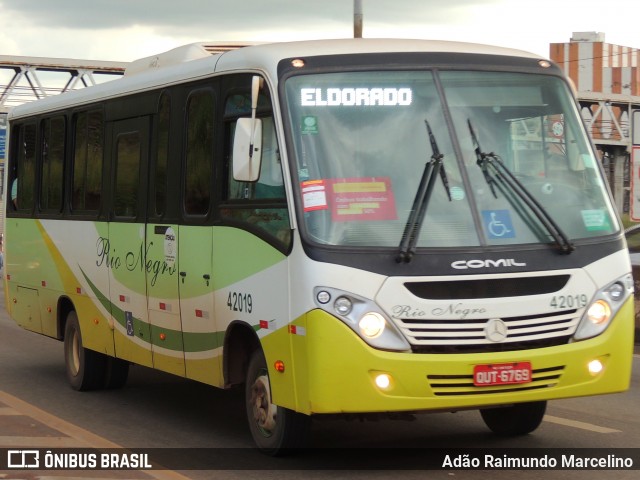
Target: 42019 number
(569,301)
(240,302)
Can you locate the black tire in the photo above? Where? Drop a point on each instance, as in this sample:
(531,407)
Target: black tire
(85,368)
(275,430)
(518,419)
(116,373)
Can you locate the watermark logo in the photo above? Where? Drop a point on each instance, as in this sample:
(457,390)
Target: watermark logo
(23,459)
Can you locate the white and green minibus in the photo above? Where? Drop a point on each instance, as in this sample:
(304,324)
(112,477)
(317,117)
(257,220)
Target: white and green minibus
(339,227)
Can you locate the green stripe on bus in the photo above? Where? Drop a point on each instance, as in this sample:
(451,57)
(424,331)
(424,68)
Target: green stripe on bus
(194,342)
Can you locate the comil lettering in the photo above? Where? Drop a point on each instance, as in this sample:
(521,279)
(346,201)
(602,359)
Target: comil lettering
(502,262)
(355,97)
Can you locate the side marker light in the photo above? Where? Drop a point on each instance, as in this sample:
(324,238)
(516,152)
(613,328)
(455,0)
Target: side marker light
(279,366)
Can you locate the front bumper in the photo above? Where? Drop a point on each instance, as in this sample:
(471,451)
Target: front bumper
(335,371)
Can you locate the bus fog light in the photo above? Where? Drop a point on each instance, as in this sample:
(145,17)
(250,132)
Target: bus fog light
(372,325)
(599,312)
(595,367)
(383,381)
(343,305)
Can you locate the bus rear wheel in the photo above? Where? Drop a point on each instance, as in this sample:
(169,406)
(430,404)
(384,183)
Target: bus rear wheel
(275,430)
(85,369)
(518,419)
(116,373)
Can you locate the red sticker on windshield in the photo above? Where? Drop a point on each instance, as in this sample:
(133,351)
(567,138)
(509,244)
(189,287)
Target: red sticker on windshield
(369,198)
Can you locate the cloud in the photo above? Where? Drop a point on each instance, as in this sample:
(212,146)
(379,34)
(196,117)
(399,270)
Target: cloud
(129,29)
(228,16)
(176,15)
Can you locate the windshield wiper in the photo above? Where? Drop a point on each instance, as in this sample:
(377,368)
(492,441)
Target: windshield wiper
(432,169)
(495,171)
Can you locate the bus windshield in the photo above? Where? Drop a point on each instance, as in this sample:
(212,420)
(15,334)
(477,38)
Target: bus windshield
(362,141)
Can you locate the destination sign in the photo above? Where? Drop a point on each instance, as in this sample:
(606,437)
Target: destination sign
(355,97)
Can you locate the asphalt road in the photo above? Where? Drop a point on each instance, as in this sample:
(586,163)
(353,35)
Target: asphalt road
(158,411)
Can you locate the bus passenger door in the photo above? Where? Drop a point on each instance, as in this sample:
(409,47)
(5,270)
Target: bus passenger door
(201,340)
(161,249)
(196,304)
(129,152)
(163,295)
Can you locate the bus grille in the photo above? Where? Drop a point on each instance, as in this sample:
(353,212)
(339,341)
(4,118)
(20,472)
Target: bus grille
(463,384)
(468,336)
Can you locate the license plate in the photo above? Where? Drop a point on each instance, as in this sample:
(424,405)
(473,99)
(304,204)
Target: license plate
(501,374)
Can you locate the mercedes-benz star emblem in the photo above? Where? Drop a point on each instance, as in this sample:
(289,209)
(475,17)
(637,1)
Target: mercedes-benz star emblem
(495,330)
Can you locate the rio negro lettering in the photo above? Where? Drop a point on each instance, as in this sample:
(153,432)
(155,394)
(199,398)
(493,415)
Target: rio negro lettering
(107,257)
(458,310)
(454,310)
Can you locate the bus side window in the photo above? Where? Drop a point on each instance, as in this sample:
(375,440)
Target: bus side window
(23,184)
(199,152)
(87,161)
(270,184)
(51,176)
(262,204)
(162,156)
(127,174)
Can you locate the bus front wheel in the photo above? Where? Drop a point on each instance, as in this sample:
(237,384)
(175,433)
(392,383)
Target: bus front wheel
(85,368)
(518,419)
(275,430)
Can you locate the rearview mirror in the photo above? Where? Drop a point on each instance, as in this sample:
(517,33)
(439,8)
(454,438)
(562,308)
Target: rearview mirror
(247,153)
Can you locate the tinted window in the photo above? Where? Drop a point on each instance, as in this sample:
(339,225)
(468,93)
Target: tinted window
(127,174)
(199,152)
(87,161)
(163,155)
(23,188)
(52,145)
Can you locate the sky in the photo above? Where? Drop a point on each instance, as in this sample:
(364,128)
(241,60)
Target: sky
(123,30)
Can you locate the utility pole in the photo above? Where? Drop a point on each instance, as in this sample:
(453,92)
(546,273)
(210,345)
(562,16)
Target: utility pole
(357,18)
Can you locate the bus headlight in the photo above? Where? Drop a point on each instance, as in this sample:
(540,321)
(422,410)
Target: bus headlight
(599,312)
(371,325)
(604,306)
(363,316)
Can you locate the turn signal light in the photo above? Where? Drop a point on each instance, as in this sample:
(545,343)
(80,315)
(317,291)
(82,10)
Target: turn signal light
(599,312)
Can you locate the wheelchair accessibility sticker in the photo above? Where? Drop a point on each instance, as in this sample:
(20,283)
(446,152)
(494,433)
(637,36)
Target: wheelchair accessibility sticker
(497,223)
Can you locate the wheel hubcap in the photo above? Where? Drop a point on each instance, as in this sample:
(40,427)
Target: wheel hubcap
(75,354)
(264,412)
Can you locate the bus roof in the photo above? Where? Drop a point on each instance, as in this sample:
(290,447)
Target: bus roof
(237,56)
